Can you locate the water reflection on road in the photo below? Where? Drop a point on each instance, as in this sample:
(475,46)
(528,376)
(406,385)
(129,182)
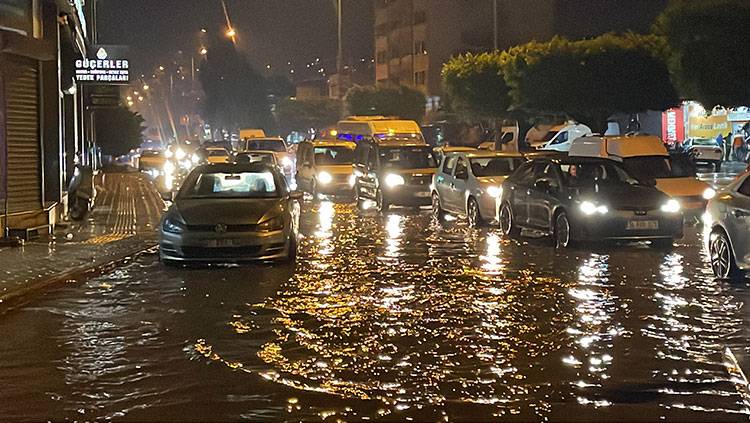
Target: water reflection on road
(387,317)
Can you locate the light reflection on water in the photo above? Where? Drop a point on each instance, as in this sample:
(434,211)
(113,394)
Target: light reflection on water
(398,317)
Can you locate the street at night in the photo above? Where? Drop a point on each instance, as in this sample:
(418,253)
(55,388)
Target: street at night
(374,210)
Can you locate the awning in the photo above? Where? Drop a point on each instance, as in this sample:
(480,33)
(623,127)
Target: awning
(20,45)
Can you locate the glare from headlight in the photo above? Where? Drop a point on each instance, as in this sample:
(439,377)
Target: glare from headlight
(173,225)
(168,154)
(325,178)
(588,208)
(393,180)
(196,159)
(168,167)
(495,192)
(707,219)
(352,180)
(671,206)
(709,193)
(180,154)
(286,161)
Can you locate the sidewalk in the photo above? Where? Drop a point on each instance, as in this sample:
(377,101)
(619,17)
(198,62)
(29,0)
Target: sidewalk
(122,223)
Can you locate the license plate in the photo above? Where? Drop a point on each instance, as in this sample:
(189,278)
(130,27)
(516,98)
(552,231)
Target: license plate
(422,194)
(220,243)
(640,225)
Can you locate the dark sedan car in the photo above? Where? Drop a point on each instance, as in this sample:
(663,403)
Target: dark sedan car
(586,199)
(231,213)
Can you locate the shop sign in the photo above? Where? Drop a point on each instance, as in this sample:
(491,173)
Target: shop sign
(673,126)
(739,116)
(707,126)
(110,66)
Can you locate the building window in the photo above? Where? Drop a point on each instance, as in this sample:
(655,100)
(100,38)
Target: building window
(420,78)
(382,56)
(420,48)
(420,16)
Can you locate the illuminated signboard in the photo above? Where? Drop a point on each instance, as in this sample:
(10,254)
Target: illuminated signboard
(109,66)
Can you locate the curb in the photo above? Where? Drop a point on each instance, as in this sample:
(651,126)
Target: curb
(12,300)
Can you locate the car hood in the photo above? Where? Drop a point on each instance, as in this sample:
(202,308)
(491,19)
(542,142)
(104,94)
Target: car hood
(424,171)
(229,211)
(491,180)
(336,169)
(623,196)
(681,187)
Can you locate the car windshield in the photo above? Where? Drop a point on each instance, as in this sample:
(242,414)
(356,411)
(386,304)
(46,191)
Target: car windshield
(220,185)
(550,134)
(658,167)
(407,157)
(255,158)
(267,145)
(596,173)
(217,153)
(334,155)
(412,138)
(703,141)
(493,166)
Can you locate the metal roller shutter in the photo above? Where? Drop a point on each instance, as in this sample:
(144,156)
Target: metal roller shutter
(22,128)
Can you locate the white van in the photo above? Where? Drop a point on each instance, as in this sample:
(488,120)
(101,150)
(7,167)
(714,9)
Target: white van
(564,137)
(646,158)
(358,128)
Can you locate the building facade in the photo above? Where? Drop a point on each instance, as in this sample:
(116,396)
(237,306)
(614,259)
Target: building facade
(41,109)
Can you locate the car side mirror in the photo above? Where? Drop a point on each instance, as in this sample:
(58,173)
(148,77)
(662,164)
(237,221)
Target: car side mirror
(543,185)
(296,195)
(506,138)
(167,196)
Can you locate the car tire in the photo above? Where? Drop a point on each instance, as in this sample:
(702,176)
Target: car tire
(168,262)
(662,244)
(381,201)
(722,258)
(473,213)
(437,211)
(291,252)
(508,222)
(561,231)
(717,166)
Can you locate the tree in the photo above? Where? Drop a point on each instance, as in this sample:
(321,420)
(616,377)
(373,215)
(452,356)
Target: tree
(475,85)
(236,95)
(118,130)
(708,40)
(589,80)
(404,102)
(301,115)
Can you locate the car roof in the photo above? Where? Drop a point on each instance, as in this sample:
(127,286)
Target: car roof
(332,143)
(234,168)
(399,143)
(491,153)
(265,139)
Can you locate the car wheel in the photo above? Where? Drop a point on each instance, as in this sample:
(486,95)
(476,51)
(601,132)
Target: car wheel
(508,222)
(168,262)
(717,166)
(473,213)
(291,253)
(437,211)
(722,258)
(561,232)
(381,201)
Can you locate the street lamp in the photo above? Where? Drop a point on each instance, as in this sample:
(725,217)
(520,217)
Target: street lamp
(231,33)
(203,51)
(146,87)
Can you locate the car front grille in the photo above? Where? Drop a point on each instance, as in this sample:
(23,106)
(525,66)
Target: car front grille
(229,228)
(221,252)
(420,180)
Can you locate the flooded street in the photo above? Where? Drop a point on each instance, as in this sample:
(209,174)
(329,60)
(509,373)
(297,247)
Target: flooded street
(387,318)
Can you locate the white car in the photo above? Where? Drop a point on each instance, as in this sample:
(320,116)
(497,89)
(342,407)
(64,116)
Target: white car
(728,216)
(705,150)
(470,183)
(564,137)
(279,148)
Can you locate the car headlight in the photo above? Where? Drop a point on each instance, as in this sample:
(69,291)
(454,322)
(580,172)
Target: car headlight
(168,154)
(325,178)
(709,193)
(588,208)
(393,180)
(273,224)
(173,225)
(352,180)
(168,167)
(495,192)
(180,154)
(671,206)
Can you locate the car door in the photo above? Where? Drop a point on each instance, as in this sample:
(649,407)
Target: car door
(444,180)
(303,167)
(520,183)
(738,223)
(369,179)
(541,196)
(457,191)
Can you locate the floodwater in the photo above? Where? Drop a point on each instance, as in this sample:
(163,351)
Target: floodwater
(389,317)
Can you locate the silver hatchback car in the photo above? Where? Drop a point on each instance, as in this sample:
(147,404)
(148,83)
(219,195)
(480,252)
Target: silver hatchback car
(728,217)
(231,213)
(470,183)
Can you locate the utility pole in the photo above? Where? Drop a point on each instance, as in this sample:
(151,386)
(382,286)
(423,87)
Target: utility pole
(494,22)
(339,52)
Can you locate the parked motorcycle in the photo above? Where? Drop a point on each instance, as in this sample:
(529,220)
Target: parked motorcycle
(81,192)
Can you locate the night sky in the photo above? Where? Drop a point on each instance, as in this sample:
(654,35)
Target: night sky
(270,31)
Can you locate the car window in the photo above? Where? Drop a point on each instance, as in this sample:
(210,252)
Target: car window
(591,173)
(525,175)
(460,166)
(744,189)
(266,145)
(550,174)
(231,185)
(406,157)
(561,139)
(372,159)
(449,164)
(493,166)
(333,155)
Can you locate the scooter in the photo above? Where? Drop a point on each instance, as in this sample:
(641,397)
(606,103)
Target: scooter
(81,192)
